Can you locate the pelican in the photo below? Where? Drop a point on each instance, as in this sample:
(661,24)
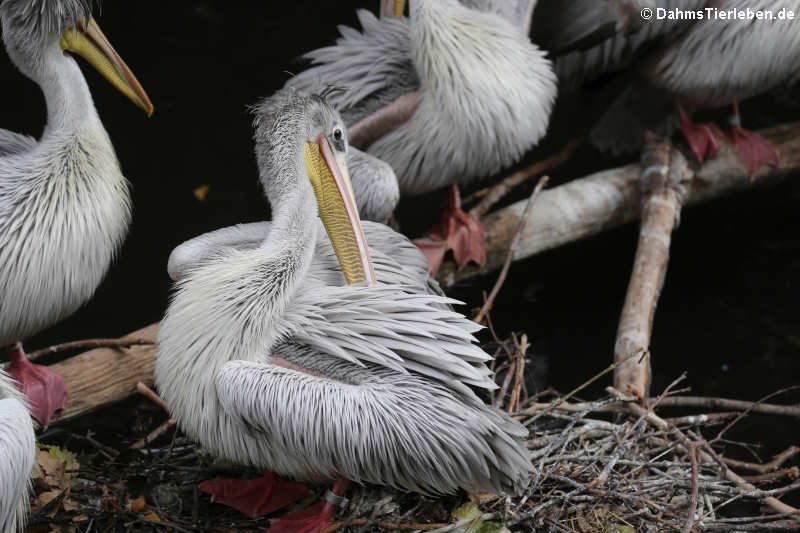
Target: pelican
(64,203)
(376,183)
(472,92)
(17,455)
(696,64)
(319,351)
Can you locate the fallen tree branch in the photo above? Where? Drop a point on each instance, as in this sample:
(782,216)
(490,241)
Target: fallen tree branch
(104,376)
(663,180)
(607,199)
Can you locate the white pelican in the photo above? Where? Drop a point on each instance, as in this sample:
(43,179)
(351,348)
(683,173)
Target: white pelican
(696,64)
(17,455)
(326,356)
(485,93)
(376,184)
(64,203)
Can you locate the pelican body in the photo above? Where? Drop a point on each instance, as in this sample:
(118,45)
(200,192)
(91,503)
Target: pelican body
(485,91)
(316,349)
(64,203)
(17,455)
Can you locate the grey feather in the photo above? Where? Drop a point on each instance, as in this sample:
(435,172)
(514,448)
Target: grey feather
(17,456)
(268,358)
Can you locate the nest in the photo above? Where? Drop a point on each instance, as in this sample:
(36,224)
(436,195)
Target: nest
(605,465)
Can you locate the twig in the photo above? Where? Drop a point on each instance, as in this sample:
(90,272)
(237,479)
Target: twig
(150,394)
(336,526)
(487,305)
(153,435)
(108,451)
(771,466)
(492,195)
(745,413)
(695,488)
(88,344)
(702,419)
(773,477)
(739,405)
(519,372)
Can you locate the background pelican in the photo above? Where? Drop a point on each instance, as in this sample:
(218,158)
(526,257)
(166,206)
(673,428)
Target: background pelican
(376,183)
(268,357)
(485,94)
(17,455)
(696,64)
(64,203)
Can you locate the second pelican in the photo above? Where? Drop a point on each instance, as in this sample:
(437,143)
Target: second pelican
(271,356)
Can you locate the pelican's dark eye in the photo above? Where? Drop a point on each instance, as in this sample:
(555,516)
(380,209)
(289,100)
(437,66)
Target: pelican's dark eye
(337,134)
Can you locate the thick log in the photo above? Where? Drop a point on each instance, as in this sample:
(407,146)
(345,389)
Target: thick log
(607,199)
(104,376)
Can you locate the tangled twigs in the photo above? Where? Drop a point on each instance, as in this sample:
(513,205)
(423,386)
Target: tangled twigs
(637,470)
(772,466)
(708,455)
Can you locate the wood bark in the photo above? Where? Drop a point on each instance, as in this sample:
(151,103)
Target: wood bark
(104,376)
(607,199)
(662,182)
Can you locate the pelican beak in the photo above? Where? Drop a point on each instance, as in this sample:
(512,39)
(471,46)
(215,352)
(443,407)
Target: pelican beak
(86,40)
(393,8)
(328,173)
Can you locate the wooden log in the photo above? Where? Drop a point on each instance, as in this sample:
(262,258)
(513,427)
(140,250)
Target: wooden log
(663,183)
(104,376)
(607,199)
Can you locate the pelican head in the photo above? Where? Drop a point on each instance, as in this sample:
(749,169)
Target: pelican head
(301,149)
(38,34)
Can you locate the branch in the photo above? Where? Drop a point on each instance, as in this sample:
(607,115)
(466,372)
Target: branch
(106,375)
(664,173)
(607,199)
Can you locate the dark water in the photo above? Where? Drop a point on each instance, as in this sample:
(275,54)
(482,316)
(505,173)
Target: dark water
(728,314)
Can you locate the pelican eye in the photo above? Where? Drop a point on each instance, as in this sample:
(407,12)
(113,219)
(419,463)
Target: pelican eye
(337,134)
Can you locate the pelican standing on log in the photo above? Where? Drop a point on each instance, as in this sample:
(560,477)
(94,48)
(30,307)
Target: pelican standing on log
(64,203)
(449,95)
(325,357)
(17,455)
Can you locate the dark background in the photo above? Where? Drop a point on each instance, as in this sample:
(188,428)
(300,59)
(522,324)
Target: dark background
(728,313)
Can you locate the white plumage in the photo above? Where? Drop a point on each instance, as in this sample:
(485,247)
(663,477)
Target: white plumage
(17,456)
(268,358)
(487,92)
(64,203)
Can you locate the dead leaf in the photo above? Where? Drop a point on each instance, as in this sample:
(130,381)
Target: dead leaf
(201,192)
(138,505)
(152,515)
